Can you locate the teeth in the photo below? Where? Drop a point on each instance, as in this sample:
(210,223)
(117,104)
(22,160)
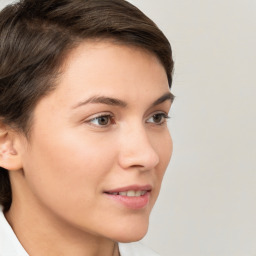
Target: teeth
(130,193)
(143,192)
(138,193)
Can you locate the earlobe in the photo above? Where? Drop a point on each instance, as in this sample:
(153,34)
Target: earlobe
(9,155)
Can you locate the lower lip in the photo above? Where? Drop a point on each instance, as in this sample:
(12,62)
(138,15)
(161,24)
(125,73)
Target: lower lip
(132,202)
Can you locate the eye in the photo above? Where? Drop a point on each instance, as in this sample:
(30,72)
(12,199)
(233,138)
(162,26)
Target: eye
(102,120)
(158,118)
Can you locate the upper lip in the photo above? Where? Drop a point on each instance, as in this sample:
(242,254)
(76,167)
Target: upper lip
(131,187)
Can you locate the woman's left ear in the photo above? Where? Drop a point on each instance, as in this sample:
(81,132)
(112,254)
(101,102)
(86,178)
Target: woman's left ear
(9,154)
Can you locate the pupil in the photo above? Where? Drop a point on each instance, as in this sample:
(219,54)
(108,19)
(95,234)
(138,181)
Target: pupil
(157,118)
(103,120)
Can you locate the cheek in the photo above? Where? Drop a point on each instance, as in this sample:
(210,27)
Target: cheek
(66,168)
(168,149)
(164,147)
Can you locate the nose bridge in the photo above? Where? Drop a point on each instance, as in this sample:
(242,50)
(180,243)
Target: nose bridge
(136,148)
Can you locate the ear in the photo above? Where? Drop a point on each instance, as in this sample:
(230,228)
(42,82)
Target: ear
(9,156)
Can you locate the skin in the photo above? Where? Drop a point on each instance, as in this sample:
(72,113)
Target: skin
(62,171)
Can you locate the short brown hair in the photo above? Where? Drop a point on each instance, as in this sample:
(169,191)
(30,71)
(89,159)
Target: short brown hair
(37,35)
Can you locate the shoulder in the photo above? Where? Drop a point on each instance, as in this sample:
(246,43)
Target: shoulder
(135,249)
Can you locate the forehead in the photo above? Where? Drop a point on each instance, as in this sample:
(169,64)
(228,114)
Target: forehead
(105,48)
(111,63)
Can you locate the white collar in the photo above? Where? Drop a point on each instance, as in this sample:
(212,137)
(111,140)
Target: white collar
(9,243)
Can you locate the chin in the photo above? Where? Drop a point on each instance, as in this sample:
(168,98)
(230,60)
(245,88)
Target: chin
(131,238)
(132,232)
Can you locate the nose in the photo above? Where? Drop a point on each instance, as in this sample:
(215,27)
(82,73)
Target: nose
(137,151)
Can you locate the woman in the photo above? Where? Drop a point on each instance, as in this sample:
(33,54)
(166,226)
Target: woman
(84,145)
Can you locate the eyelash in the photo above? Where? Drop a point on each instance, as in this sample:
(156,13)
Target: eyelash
(163,116)
(111,120)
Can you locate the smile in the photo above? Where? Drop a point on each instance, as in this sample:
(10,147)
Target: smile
(130,193)
(134,197)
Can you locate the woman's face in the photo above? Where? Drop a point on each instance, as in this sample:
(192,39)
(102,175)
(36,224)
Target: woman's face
(100,134)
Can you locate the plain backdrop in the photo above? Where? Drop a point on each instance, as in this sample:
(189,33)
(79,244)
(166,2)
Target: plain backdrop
(207,205)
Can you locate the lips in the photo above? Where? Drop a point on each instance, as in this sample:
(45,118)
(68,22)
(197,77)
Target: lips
(130,193)
(130,188)
(133,197)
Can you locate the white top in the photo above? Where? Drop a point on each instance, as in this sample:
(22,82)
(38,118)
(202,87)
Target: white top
(10,245)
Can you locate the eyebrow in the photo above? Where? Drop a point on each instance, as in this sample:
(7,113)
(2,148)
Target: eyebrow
(102,100)
(120,103)
(163,98)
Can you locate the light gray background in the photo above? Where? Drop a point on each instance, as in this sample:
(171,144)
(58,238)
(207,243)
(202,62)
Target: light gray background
(207,206)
